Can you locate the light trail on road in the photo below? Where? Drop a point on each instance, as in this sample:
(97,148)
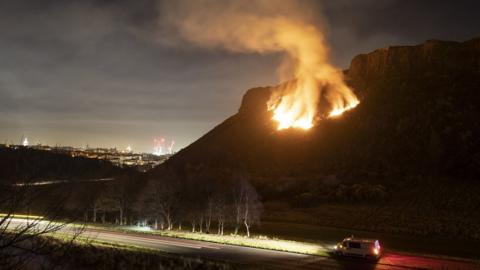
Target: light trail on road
(53,182)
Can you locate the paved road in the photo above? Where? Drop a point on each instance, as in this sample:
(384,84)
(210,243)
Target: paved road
(268,259)
(275,259)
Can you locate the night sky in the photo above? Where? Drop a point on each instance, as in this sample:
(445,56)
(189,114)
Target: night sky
(103,73)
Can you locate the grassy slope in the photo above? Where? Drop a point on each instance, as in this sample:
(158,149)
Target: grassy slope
(263,242)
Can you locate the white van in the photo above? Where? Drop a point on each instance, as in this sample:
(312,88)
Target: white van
(365,248)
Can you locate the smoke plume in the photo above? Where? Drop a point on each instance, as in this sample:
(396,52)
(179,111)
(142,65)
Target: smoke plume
(275,26)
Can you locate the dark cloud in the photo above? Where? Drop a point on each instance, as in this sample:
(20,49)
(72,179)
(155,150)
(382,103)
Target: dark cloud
(99,72)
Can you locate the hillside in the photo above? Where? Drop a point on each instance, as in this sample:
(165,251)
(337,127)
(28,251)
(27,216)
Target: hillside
(413,142)
(74,187)
(23,164)
(426,93)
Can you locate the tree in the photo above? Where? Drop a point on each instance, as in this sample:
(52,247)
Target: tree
(192,206)
(121,196)
(246,203)
(252,207)
(220,209)
(162,198)
(238,196)
(27,241)
(117,199)
(209,213)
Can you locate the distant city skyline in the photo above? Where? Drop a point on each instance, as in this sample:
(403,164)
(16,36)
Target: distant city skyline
(160,146)
(103,73)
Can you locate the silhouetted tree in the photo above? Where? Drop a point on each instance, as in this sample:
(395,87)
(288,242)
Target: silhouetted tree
(23,242)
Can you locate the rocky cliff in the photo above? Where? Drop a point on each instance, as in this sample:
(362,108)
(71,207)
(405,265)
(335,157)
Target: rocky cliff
(433,57)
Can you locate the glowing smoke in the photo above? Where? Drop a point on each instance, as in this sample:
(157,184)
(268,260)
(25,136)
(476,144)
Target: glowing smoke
(263,26)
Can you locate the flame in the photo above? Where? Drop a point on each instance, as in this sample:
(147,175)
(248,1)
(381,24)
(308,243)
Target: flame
(297,106)
(340,110)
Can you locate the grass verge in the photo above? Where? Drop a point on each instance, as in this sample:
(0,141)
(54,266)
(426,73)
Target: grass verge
(262,242)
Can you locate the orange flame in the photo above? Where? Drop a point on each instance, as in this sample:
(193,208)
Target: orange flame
(299,108)
(316,79)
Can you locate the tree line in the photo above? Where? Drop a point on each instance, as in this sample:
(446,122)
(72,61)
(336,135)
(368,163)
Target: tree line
(201,204)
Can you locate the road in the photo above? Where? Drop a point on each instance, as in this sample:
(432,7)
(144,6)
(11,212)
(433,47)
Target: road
(274,259)
(269,259)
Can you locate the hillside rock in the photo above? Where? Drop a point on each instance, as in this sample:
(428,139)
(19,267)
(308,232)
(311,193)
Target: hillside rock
(255,100)
(434,57)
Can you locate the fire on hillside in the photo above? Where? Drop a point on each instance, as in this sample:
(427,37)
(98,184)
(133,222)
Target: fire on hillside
(319,90)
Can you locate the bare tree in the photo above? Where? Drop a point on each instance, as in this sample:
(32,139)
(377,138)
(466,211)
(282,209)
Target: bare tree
(246,203)
(23,240)
(115,199)
(161,197)
(220,209)
(209,212)
(252,206)
(194,200)
(238,197)
(193,210)
(121,195)
(173,199)
(105,204)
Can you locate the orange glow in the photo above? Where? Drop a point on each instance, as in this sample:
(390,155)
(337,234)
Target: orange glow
(297,106)
(339,110)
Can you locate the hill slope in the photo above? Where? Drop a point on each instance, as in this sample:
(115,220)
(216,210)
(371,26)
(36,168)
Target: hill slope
(414,141)
(419,109)
(24,165)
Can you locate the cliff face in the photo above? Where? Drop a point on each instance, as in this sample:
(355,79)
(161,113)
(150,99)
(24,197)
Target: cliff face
(433,59)
(255,100)
(439,58)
